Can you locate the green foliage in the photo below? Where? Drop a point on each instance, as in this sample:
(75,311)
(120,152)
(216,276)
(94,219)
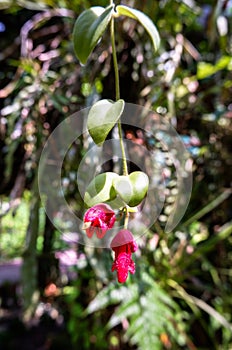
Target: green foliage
(140,183)
(13,230)
(204,69)
(150,311)
(100,189)
(144,20)
(14,225)
(132,188)
(118,190)
(188,83)
(92,23)
(102,118)
(123,188)
(88,29)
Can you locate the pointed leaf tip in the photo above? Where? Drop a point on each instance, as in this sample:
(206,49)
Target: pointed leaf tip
(144,20)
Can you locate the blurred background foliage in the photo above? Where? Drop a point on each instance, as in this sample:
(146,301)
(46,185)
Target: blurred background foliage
(55,294)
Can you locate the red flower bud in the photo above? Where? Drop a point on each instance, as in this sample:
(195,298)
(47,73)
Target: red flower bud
(123,244)
(99,219)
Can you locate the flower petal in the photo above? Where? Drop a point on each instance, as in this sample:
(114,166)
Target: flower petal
(134,247)
(99,218)
(100,232)
(123,263)
(122,275)
(90,231)
(132,267)
(122,237)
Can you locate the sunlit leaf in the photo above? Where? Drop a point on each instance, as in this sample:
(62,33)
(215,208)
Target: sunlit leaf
(144,20)
(110,295)
(140,183)
(100,189)
(88,30)
(123,187)
(102,117)
(205,69)
(132,188)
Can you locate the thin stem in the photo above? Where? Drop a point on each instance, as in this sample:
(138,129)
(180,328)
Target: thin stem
(116,73)
(124,162)
(117,94)
(126,220)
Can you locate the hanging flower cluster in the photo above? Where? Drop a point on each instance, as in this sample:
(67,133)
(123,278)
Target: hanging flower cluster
(101,218)
(127,191)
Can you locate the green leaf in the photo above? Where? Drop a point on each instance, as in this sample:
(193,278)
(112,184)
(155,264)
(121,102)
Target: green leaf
(144,20)
(102,117)
(140,183)
(100,189)
(139,309)
(132,188)
(123,188)
(110,295)
(88,29)
(205,69)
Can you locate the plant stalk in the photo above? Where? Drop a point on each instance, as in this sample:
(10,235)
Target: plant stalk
(117,94)
(117,97)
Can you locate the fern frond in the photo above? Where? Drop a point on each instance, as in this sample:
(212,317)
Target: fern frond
(150,314)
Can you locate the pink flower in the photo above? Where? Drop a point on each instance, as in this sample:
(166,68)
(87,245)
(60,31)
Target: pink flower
(123,244)
(99,219)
